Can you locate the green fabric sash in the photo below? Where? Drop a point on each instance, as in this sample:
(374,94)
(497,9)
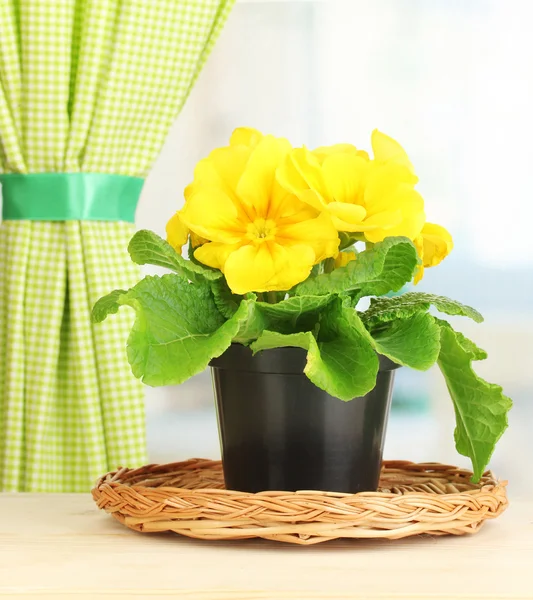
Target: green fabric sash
(70,196)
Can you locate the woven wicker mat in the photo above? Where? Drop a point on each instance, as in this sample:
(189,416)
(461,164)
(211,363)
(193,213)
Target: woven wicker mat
(189,498)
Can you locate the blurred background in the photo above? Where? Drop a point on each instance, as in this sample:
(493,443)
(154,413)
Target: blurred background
(453,82)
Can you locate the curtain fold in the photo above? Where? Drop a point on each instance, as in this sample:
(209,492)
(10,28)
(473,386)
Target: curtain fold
(86,86)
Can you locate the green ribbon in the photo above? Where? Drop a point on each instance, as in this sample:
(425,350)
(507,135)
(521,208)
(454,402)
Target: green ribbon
(70,196)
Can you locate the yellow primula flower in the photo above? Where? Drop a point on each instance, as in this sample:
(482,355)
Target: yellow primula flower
(433,245)
(373,197)
(343,258)
(387,150)
(262,237)
(245,136)
(177,232)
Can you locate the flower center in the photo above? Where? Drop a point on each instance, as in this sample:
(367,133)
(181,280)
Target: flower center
(261,230)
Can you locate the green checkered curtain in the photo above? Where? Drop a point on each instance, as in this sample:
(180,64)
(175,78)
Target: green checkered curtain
(86,86)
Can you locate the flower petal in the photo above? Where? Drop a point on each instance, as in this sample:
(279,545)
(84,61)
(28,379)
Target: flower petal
(345,177)
(384,220)
(256,185)
(177,232)
(387,149)
(221,169)
(350,213)
(437,244)
(211,214)
(411,205)
(324,151)
(343,258)
(215,254)
(267,267)
(382,183)
(318,234)
(433,246)
(302,172)
(245,136)
(287,209)
(419,245)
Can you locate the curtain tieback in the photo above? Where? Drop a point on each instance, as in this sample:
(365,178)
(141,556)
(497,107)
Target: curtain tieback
(70,196)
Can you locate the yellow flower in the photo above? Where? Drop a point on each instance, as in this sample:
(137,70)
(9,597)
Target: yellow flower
(259,235)
(433,246)
(343,258)
(245,136)
(373,197)
(177,232)
(387,150)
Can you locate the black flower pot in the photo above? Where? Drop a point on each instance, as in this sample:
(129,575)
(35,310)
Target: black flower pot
(280,432)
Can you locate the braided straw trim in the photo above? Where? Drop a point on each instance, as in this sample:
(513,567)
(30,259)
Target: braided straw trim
(189,498)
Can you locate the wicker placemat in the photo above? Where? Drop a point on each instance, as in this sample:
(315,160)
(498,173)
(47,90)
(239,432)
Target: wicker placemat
(189,498)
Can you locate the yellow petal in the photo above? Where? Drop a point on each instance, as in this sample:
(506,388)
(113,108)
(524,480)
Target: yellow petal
(433,246)
(287,209)
(345,177)
(267,267)
(419,274)
(289,177)
(302,172)
(245,136)
(313,199)
(343,258)
(318,234)
(411,206)
(387,149)
(419,245)
(221,169)
(211,214)
(385,220)
(256,185)
(177,232)
(382,183)
(322,152)
(437,244)
(349,213)
(197,240)
(214,254)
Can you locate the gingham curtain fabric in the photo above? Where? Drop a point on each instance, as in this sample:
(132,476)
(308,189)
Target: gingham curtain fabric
(86,86)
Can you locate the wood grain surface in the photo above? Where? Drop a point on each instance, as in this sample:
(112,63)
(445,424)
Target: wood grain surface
(61,546)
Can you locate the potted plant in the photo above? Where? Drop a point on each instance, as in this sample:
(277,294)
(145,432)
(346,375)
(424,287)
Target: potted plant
(284,246)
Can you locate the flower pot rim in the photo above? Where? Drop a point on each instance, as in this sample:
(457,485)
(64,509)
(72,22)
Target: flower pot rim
(289,360)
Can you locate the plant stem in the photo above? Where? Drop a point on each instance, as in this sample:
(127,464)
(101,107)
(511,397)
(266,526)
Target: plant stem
(329,265)
(260,297)
(272,297)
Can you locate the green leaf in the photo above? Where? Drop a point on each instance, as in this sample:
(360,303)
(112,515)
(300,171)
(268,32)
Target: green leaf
(273,339)
(296,312)
(252,321)
(107,305)
(147,248)
(227,302)
(468,346)
(480,407)
(385,309)
(178,328)
(385,267)
(413,342)
(341,360)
